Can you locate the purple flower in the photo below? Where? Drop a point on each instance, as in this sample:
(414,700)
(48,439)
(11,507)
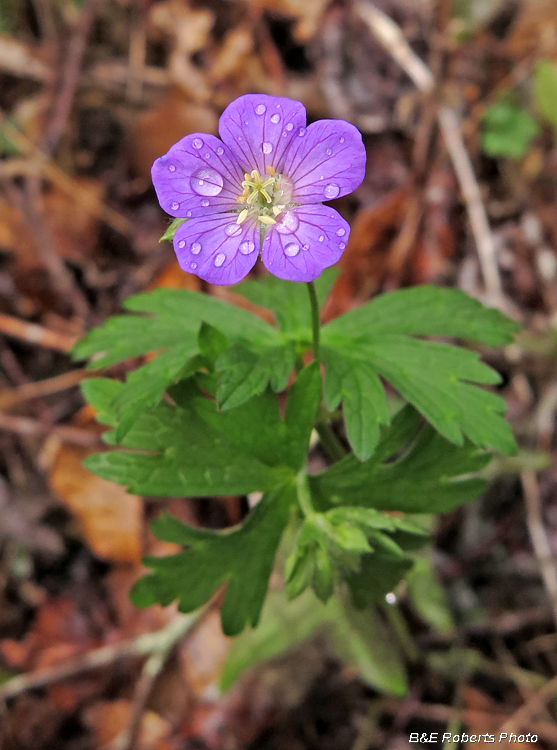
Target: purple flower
(261,187)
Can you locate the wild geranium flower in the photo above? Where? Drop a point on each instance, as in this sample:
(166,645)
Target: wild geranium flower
(260,188)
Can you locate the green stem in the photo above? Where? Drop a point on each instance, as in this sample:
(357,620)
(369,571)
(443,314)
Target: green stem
(304,494)
(314,319)
(329,441)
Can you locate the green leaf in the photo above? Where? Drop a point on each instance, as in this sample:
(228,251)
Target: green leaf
(101,393)
(545,90)
(431,475)
(211,343)
(507,130)
(428,596)
(378,575)
(375,341)
(245,372)
(288,301)
(359,639)
(171,230)
(243,558)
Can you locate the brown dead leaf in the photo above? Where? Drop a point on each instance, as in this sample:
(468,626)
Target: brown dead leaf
(188,27)
(172,277)
(307,15)
(107,720)
(109,517)
(156,130)
(535,29)
(485,715)
(202,657)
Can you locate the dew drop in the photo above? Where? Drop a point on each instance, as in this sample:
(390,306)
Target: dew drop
(321,237)
(246,122)
(341,232)
(289,223)
(207,155)
(182,244)
(205,203)
(232,230)
(267,147)
(342,139)
(342,245)
(196,248)
(175,206)
(275,118)
(219,260)
(220,151)
(197,143)
(292,249)
(240,138)
(194,266)
(247,247)
(306,247)
(260,109)
(290,126)
(331,191)
(206,181)
(171,168)
(188,214)
(302,132)
(328,151)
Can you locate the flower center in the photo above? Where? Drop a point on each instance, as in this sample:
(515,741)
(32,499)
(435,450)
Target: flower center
(264,199)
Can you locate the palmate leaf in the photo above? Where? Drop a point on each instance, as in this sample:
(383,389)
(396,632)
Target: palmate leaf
(414,470)
(169,325)
(377,340)
(194,450)
(242,557)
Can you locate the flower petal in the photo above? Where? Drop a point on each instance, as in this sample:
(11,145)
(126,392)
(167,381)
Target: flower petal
(197,176)
(258,129)
(217,249)
(309,239)
(326,163)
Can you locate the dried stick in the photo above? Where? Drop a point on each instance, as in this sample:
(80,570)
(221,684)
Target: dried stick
(390,35)
(521,717)
(540,542)
(144,645)
(66,433)
(12,396)
(32,333)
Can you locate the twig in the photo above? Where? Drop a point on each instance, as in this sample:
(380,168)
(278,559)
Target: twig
(540,542)
(32,333)
(66,433)
(143,645)
(390,35)
(70,77)
(136,54)
(11,397)
(521,717)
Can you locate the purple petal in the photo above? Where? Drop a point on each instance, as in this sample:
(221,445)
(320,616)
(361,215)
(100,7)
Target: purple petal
(197,176)
(258,129)
(309,239)
(217,249)
(326,163)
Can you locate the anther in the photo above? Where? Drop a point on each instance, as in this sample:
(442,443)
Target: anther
(242,216)
(266,220)
(271,170)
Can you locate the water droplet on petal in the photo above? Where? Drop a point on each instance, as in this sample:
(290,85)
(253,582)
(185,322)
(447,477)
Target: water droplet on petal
(302,132)
(342,140)
(328,151)
(289,223)
(275,118)
(175,206)
(220,151)
(247,247)
(205,203)
(206,181)
(197,143)
(306,247)
(321,237)
(289,126)
(207,155)
(292,249)
(240,138)
(331,191)
(188,214)
(246,122)
(260,109)
(267,147)
(182,244)
(196,248)
(342,245)
(194,266)
(171,168)
(219,260)
(341,232)
(233,229)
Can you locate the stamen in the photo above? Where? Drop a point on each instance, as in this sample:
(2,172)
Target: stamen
(266,220)
(277,210)
(271,170)
(242,216)
(265,193)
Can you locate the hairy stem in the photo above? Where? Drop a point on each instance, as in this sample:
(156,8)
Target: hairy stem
(314,318)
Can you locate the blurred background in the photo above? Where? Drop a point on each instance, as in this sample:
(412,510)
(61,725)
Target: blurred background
(457,104)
